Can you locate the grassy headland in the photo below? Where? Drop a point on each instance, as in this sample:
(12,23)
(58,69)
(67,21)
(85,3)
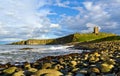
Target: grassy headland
(77,37)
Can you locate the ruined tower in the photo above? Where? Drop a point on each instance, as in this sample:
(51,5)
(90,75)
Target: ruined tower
(96,30)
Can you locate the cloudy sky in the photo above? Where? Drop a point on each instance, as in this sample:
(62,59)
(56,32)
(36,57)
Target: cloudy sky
(28,19)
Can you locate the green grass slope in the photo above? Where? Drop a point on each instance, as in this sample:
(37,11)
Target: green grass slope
(90,36)
(77,37)
(111,38)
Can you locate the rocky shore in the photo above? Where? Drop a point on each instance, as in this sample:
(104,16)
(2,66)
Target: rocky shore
(103,60)
(105,45)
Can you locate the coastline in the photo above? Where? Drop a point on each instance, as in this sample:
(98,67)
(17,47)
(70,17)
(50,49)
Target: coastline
(104,59)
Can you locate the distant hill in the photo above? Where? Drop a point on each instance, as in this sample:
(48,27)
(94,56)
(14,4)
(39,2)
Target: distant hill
(77,37)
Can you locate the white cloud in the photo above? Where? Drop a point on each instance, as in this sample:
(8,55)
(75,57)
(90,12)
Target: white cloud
(24,19)
(2,29)
(88,5)
(54,26)
(90,27)
(102,13)
(11,39)
(62,4)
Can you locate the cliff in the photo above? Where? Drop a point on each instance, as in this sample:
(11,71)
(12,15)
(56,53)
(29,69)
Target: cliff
(77,37)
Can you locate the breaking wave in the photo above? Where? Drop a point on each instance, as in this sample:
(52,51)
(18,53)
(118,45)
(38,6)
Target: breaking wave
(13,53)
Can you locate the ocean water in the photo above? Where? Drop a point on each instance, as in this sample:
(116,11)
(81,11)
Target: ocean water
(13,53)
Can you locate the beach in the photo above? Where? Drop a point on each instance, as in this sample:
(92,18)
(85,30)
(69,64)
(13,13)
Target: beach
(103,59)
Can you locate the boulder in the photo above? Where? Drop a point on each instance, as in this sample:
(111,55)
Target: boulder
(95,70)
(19,73)
(48,72)
(32,70)
(46,65)
(106,67)
(73,63)
(10,70)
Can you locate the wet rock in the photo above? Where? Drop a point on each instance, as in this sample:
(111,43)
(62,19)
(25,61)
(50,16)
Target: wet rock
(10,70)
(84,71)
(111,61)
(79,74)
(75,69)
(86,56)
(93,59)
(96,54)
(106,67)
(58,67)
(104,57)
(48,72)
(110,75)
(19,73)
(73,63)
(33,70)
(118,74)
(61,60)
(46,65)
(95,70)
(93,74)
(26,48)
(27,65)
(85,64)
(93,65)
(69,74)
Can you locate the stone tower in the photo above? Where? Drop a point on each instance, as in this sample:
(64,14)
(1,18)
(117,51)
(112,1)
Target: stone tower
(96,30)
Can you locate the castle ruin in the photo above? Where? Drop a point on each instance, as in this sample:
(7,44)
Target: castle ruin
(96,30)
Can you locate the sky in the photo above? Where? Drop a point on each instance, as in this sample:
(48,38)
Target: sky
(43,19)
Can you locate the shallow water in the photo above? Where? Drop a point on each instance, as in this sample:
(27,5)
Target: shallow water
(12,53)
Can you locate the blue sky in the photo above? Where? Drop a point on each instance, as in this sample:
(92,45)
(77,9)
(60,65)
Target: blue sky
(39,19)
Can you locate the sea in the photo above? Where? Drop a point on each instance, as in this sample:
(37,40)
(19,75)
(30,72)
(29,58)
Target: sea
(16,53)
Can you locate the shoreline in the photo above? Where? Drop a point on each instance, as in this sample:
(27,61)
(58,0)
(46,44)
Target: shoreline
(104,59)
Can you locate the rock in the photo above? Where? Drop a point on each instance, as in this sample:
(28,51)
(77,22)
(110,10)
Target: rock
(46,65)
(61,60)
(84,71)
(48,72)
(33,70)
(10,70)
(118,74)
(110,75)
(19,73)
(26,48)
(93,65)
(58,67)
(104,56)
(75,69)
(73,63)
(1,72)
(84,64)
(27,65)
(93,74)
(79,74)
(95,70)
(93,59)
(85,56)
(96,54)
(106,67)
(111,61)
(69,74)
